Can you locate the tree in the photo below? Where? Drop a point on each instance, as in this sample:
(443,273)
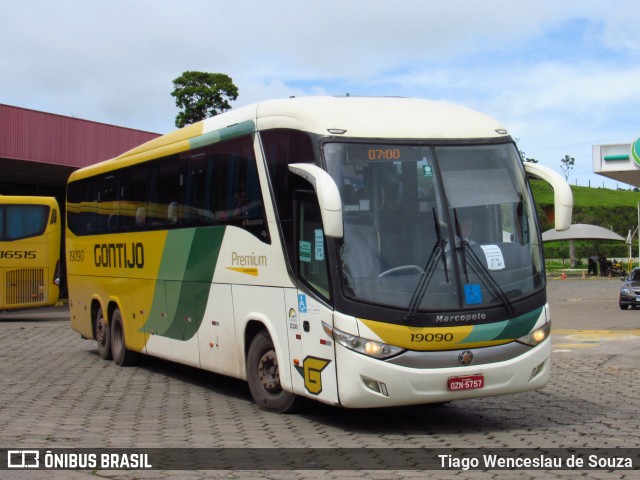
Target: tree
(566,164)
(202,95)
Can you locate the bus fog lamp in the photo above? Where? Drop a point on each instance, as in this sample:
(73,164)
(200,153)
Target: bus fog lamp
(536,371)
(375,386)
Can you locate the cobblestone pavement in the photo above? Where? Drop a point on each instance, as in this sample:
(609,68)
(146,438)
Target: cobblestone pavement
(57,392)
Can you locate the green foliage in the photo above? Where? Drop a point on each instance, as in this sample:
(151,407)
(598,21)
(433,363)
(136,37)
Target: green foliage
(202,95)
(586,248)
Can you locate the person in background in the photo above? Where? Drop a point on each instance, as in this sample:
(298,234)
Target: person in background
(593,265)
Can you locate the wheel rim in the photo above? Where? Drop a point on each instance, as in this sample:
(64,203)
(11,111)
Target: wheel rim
(101,331)
(268,372)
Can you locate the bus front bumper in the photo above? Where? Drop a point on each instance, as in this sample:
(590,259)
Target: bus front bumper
(365,382)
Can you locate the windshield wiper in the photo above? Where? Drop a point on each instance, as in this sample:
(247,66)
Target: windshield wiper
(481,271)
(437,252)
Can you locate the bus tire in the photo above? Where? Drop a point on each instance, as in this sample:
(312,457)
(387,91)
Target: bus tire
(102,334)
(121,354)
(264,378)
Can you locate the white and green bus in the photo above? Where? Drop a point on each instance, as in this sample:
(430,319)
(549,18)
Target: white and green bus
(317,247)
(30,229)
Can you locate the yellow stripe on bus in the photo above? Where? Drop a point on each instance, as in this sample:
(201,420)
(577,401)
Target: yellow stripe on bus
(422,338)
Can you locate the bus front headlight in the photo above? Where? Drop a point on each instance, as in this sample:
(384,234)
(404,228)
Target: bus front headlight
(367,347)
(537,336)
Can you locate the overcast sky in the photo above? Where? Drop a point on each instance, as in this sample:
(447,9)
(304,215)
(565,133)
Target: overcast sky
(561,75)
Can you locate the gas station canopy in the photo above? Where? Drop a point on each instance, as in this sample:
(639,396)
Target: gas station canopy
(620,162)
(580,231)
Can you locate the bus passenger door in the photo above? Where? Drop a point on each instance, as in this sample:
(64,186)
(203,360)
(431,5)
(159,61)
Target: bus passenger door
(316,364)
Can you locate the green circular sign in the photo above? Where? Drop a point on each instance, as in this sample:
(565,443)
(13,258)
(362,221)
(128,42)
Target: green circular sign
(635,151)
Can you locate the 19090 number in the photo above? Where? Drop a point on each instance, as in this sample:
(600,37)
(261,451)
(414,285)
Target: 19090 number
(76,255)
(431,337)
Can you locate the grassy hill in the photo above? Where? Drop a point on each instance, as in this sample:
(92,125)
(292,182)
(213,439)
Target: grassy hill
(587,197)
(616,210)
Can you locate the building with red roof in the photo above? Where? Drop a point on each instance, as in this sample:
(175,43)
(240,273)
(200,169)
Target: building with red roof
(39,150)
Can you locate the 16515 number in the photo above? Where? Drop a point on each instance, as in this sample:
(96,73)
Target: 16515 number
(17,254)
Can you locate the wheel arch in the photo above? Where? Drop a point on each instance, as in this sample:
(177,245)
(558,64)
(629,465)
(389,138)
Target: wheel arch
(94,306)
(253,326)
(111,307)
(251,329)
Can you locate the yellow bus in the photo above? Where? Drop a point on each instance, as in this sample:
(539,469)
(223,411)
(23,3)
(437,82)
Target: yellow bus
(318,247)
(29,251)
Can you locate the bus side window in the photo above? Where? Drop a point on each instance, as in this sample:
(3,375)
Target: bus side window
(281,148)
(221,187)
(135,182)
(311,248)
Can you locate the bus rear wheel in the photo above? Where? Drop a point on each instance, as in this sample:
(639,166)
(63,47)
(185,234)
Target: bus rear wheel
(263,376)
(102,334)
(121,354)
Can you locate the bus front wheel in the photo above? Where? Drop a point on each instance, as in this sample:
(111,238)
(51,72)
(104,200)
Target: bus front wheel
(121,354)
(263,376)
(102,334)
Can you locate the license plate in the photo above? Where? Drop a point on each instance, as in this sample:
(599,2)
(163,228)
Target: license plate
(468,382)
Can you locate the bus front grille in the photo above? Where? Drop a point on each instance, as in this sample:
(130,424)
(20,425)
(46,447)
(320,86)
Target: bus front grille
(25,285)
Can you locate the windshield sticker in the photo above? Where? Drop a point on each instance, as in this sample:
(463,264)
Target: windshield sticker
(427,171)
(305,251)
(472,294)
(493,254)
(319,250)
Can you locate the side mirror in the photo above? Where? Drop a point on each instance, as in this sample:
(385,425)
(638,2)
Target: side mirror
(562,195)
(328,197)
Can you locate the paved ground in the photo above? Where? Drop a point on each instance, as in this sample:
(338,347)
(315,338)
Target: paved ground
(56,392)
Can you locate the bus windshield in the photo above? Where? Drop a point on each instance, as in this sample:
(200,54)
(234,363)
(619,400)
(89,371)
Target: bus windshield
(435,227)
(22,221)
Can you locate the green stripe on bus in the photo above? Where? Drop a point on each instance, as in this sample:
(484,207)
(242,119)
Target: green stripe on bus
(506,330)
(232,131)
(184,282)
